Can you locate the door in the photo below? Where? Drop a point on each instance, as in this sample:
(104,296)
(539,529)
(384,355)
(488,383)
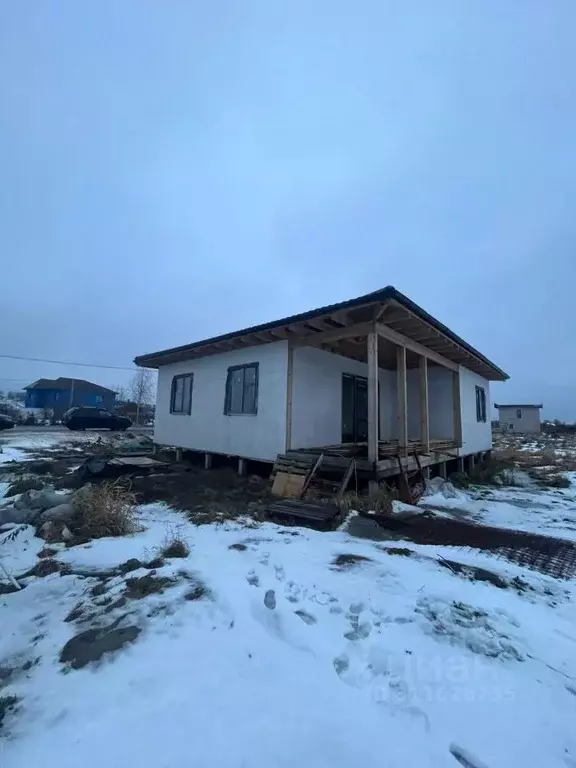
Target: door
(354,408)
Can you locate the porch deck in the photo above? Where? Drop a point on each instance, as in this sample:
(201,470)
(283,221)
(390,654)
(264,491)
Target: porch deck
(337,457)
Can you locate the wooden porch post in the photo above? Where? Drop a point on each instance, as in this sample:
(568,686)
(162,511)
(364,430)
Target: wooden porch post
(402,399)
(424,423)
(289,378)
(373,414)
(457,409)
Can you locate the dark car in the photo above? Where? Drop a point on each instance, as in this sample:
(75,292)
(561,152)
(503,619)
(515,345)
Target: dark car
(6,422)
(94,418)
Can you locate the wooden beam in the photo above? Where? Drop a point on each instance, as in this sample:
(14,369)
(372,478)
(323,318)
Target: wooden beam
(314,339)
(414,346)
(457,408)
(424,423)
(289,387)
(373,415)
(402,398)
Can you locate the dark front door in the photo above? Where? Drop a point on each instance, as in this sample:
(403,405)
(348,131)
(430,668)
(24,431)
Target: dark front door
(354,408)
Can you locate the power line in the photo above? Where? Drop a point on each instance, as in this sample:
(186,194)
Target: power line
(67,362)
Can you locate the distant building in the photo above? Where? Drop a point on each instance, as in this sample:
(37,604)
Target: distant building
(57,395)
(523,419)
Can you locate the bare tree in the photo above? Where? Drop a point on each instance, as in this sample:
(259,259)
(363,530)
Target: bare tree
(142,390)
(122,393)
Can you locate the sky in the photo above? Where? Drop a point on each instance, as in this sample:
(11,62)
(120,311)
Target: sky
(174,170)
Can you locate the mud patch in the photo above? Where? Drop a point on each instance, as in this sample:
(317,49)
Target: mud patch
(474,573)
(400,551)
(91,645)
(7,704)
(196,593)
(346,560)
(130,565)
(137,588)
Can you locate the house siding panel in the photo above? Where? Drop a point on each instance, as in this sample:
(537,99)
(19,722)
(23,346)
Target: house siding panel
(317,397)
(476,435)
(208,428)
(528,423)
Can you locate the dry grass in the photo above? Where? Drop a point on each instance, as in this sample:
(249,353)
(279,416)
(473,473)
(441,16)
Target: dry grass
(106,509)
(24,484)
(176,548)
(379,501)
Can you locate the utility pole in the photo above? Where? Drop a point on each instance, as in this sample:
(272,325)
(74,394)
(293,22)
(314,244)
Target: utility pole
(71,395)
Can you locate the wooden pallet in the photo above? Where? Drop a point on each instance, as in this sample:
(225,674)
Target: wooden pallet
(289,512)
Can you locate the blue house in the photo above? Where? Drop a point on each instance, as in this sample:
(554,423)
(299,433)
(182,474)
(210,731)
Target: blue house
(60,394)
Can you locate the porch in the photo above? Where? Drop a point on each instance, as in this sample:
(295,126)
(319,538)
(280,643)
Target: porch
(405,403)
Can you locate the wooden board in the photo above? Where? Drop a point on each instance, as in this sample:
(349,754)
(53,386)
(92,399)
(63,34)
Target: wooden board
(319,516)
(288,486)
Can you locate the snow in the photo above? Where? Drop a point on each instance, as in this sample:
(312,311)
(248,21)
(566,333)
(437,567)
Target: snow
(392,661)
(19,547)
(550,512)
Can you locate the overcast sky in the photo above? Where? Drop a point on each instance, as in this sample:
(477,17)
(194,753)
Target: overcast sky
(174,170)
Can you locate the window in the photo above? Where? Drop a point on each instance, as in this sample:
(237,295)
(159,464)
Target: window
(181,395)
(56,396)
(242,389)
(98,399)
(480,404)
(518,413)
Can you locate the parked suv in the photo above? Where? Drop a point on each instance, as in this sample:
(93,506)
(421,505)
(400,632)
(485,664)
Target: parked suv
(94,418)
(6,422)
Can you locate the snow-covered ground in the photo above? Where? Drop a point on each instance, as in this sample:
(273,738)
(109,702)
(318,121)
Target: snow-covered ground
(20,446)
(288,659)
(271,646)
(526,507)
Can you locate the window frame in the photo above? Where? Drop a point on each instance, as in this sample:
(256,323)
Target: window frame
(185,411)
(232,369)
(480,404)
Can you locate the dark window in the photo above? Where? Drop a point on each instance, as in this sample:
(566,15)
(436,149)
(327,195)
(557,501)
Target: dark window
(518,413)
(103,414)
(242,389)
(480,404)
(181,395)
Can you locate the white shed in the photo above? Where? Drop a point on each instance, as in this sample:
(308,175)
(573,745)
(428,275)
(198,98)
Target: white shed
(376,372)
(519,419)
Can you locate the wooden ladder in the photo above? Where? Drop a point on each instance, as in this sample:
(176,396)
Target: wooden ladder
(315,483)
(412,484)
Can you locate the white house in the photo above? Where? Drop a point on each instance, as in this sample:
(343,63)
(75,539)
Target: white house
(523,419)
(376,372)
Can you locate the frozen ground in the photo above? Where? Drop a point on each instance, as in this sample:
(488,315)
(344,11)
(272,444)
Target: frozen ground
(271,646)
(20,446)
(526,507)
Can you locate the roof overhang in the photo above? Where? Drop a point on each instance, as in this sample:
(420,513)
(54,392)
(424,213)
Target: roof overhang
(387,307)
(519,405)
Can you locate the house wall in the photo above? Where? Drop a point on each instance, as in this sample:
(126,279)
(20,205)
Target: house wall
(261,436)
(476,435)
(59,400)
(440,402)
(317,397)
(527,423)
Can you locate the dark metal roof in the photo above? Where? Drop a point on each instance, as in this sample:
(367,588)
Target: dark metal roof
(382,295)
(519,405)
(64,383)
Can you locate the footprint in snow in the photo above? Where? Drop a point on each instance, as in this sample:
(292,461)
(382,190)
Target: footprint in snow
(279,572)
(306,617)
(270,599)
(465,758)
(252,579)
